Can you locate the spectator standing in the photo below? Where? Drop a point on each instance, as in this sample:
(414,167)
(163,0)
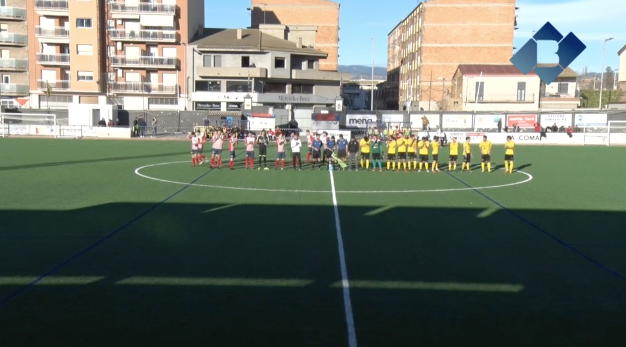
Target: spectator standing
(353,149)
(499,125)
(142,127)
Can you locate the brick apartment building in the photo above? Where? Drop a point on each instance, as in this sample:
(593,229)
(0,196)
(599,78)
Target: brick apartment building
(426,47)
(322,15)
(13,50)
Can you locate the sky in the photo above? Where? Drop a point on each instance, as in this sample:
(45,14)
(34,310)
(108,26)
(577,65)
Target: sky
(592,21)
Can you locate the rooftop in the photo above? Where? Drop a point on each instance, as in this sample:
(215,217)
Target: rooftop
(491,70)
(251,40)
(621,50)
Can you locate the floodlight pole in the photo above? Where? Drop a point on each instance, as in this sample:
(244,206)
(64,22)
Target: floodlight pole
(602,72)
(372,91)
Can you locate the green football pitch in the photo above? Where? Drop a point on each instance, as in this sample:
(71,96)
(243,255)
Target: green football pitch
(123,243)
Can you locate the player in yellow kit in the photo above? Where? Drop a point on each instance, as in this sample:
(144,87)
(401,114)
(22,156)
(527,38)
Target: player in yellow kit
(391,153)
(411,147)
(435,151)
(485,152)
(422,147)
(509,153)
(467,155)
(364,145)
(401,141)
(454,154)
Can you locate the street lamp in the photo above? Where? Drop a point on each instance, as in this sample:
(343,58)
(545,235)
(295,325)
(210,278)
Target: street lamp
(372,91)
(602,72)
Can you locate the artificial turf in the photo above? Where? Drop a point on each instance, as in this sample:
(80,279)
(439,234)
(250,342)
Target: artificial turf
(119,259)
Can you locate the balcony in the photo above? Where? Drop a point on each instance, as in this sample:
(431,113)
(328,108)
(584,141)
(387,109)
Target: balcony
(54,85)
(144,62)
(52,59)
(142,88)
(52,34)
(12,13)
(11,64)
(52,7)
(142,8)
(254,72)
(502,98)
(14,89)
(10,39)
(144,35)
(315,75)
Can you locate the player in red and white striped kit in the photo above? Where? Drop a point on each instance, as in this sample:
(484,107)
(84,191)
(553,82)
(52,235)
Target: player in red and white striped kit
(195,140)
(309,144)
(201,141)
(218,146)
(232,142)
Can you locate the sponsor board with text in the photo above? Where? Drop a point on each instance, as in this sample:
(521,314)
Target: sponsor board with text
(456,121)
(360,120)
(487,121)
(522,120)
(560,119)
(260,123)
(324,125)
(590,120)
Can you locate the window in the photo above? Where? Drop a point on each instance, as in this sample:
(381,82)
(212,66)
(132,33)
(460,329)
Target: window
(206,60)
(480,91)
(521,91)
(302,89)
(310,64)
(110,24)
(279,63)
(208,86)
(85,76)
(4,28)
(6,79)
(162,101)
(237,86)
(84,49)
(217,61)
(275,88)
(563,88)
(83,22)
(245,61)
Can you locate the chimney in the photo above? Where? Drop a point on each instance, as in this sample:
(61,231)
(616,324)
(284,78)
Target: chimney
(299,41)
(239,34)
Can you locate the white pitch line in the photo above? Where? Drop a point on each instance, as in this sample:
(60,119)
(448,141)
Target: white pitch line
(347,303)
(138,173)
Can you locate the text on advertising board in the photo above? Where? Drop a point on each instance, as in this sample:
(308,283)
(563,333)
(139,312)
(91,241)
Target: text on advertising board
(561,120)
(591,119)
(360,120)
(522,120)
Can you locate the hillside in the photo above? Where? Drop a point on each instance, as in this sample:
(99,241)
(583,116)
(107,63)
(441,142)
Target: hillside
(364,72)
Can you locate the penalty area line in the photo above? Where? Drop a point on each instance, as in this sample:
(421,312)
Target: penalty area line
(89,248)
(345,283)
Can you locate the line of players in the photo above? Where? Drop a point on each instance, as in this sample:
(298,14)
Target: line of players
(402,152)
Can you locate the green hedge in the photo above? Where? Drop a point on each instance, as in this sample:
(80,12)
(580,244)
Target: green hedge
(589,98)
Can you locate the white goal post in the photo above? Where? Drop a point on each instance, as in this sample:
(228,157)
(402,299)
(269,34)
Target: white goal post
(616,133)
(24,124)
(611,135)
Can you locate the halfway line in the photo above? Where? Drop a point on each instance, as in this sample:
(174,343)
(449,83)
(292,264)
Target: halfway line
(545,233)
(347,303)
(84,251)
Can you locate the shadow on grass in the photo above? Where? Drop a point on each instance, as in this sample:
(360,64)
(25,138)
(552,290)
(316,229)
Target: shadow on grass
(88,161)
(259,275)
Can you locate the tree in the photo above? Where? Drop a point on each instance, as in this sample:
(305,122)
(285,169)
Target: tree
(609,77)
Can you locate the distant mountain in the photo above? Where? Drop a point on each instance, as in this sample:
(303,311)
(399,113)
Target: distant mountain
(364,71)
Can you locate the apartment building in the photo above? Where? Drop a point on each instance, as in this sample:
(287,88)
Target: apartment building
(428,45)
(322,16)
(128,53)
(230,65)
(13,50)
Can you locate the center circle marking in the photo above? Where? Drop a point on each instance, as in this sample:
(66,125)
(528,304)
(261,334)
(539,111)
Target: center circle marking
(529,178)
